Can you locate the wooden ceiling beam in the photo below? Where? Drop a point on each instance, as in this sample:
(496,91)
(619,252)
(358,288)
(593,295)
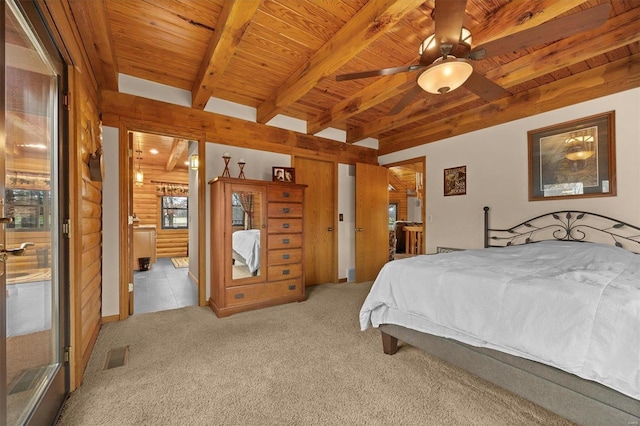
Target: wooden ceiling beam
(520,15)
(614,77)
(177,148)
(616,32)
(509,19)
(367,25)
(93,25)
(117,107)
(234,19)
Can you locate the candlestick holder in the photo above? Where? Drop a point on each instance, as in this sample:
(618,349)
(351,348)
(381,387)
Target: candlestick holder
(226,157)
(241,164)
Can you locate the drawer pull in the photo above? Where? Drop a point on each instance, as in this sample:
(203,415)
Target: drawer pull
(285,272)
(286,210)
(285,241)
(285,256)
(238,296)
(285,225)
(292,287)
(285,195)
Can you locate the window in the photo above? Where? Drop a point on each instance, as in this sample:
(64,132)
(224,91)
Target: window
(30,209)
(393,214)
(175,212)
(237,212)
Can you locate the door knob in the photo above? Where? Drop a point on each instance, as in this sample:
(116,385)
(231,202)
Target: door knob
(359,229)
(330,229)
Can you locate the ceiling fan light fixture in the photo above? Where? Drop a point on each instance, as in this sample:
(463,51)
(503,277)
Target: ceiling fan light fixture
(430,42)
(445,75)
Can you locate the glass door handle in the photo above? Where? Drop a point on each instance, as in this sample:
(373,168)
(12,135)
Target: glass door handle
(17,251)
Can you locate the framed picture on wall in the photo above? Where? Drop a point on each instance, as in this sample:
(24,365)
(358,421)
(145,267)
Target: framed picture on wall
(573,160)
(455,181)
(284,174)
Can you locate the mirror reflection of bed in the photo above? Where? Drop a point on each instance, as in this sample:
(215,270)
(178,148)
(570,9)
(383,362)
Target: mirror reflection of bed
(246,253)
(246,226)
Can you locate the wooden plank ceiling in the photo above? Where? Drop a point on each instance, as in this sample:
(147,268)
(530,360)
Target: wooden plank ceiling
(283,56)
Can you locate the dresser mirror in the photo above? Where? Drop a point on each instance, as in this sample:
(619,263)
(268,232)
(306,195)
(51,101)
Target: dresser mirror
(246,228)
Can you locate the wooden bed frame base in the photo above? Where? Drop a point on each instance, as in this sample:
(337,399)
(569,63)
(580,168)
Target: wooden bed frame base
(579,400)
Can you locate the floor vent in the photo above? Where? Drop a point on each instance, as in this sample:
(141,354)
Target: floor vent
(25,381)
(117,358)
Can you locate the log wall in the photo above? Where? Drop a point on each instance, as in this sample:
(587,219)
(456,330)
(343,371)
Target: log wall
(399,197)
(147,208)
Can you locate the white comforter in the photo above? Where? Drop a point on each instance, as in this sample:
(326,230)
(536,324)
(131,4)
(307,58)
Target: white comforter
(575,306)
(247,244)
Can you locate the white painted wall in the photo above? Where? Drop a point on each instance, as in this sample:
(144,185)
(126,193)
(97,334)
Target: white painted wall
(496,160)
(497,173)
(346,206)
(110,223)
(193,213)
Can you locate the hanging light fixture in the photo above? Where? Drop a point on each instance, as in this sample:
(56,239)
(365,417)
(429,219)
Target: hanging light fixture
(194,162)
(139,176)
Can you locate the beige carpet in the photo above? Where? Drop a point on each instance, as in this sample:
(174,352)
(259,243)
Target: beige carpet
(180,262)
(296,364)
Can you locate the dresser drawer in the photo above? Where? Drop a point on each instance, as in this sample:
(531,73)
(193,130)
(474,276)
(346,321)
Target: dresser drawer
(282,193)
(285,210)
(255,293)
(275,225)
(281,241)
(283,272)
(286,256)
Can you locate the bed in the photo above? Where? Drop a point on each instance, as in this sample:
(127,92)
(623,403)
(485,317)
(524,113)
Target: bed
(556,322)
(246,248)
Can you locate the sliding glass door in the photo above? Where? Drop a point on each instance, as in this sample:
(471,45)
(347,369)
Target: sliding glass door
(35,377)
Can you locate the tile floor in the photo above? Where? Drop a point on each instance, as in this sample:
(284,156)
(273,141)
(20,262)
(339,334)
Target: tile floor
(163,287)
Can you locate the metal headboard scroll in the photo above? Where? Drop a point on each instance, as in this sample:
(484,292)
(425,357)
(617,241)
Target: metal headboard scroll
(565,225)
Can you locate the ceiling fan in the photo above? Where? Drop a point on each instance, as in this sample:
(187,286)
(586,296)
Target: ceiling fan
(446,56)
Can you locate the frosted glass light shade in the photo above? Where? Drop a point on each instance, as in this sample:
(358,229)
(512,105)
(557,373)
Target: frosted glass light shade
(139,177)
(445,75)
(194,162)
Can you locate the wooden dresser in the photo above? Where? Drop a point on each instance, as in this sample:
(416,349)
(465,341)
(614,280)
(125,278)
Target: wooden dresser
(257,234)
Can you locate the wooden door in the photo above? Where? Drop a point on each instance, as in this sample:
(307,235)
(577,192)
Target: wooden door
(320,237)
(372,217)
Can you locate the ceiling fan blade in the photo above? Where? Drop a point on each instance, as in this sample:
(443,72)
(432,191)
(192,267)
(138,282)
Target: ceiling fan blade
(448,17)
(377,73)
(483,87)
(549,31)
(406,100)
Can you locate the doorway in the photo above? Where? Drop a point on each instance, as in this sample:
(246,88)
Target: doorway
(34,378)
(407,208)
(163,169)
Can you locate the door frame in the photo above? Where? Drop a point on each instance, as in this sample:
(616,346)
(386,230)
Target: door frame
(126,194)
(423,208)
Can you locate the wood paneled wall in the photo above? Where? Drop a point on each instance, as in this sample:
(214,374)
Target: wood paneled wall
(146,206)
(399,197)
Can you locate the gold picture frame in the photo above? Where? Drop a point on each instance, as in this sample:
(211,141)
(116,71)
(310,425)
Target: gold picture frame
(575,159)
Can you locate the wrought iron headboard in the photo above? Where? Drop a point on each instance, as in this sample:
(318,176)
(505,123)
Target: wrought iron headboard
(565,225)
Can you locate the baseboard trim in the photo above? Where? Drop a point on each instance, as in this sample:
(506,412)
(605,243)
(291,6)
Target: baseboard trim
(342,280)
(110,318)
